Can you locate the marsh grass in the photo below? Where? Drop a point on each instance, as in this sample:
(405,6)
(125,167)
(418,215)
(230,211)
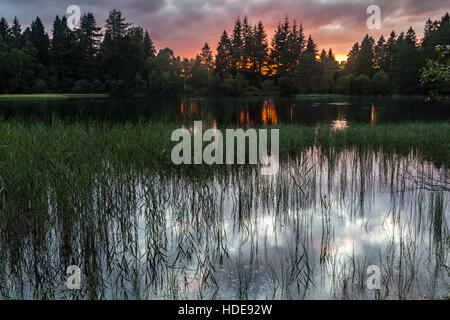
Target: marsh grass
(107,198)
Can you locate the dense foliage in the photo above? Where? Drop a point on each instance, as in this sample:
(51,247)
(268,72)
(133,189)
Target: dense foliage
(121,59)
(436,73)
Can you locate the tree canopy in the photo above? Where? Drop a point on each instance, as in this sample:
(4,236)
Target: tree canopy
(121,58)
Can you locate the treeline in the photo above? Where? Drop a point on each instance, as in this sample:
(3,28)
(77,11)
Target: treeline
(122,60)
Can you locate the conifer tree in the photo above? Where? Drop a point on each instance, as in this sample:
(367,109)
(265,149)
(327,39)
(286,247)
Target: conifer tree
(149,47)
(207,57)
(16,34)
(223,56)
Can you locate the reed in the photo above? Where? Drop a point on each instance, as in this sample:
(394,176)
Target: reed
(107,198)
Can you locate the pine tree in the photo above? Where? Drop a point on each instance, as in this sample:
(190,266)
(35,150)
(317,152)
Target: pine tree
(237,47)
(199,73)
(39,38)
(260,50)
(5,31)
(248,44)
(352,61)
(280,55)
(430,27)
(296,45)
(308,75)
(114,46)
(391,48)
(88,45)
(436,33)
(411,37)
(116,27)
(223,60)
(323,56)
(149,48)
(311,47)
(286,56)
(134,58)
(90,36)
(380,62)
(405,70)
(61,55)
(206,56)
(277,44)
(288,45)
(16,34)
(328,70)
(365,57)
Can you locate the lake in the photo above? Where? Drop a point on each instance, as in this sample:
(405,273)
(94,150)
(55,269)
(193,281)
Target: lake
(339,111)
(311,231)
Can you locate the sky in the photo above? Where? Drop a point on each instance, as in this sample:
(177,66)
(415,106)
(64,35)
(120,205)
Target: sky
(185,25)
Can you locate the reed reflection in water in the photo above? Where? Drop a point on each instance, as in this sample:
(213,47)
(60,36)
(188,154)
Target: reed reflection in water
(309,232)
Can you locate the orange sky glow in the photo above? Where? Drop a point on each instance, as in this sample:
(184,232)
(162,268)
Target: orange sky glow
(185,25)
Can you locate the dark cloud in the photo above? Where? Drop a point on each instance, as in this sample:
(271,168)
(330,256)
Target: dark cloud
(185,25)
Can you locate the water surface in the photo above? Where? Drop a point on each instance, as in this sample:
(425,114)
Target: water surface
(308,232)
(236,112)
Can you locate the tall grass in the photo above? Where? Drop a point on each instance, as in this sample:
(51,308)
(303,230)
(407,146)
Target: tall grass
(106,197)
(148,145)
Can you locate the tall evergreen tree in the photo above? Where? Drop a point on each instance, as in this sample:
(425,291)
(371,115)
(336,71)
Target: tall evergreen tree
(16,34)
(206,56)
(114,46)
(352,60)
(223,56)
(380,62)
(436,33)
(323,56)
(405,71)
(248,44)
(134,58)
(296,45)
(149,47)
(391,48)
(411,37)
(280,56)
(39,38)
(199,72)
(61,55)
(88,36)
(308,76)
(260,50)
(327,71)
(365,57)
(311,48)
(5,31)
(237,47)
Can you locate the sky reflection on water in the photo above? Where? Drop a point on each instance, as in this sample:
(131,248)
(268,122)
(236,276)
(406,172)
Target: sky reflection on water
(312,245)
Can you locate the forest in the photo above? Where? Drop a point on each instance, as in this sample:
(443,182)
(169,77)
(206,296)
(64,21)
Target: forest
(121,59)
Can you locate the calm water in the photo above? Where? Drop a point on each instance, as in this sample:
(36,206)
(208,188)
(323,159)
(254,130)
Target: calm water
(237,112)
(309,232)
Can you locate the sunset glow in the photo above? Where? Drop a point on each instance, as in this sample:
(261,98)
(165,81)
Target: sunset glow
(185,26)
(341,57)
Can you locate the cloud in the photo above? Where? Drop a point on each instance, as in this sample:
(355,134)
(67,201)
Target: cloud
(184,25)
